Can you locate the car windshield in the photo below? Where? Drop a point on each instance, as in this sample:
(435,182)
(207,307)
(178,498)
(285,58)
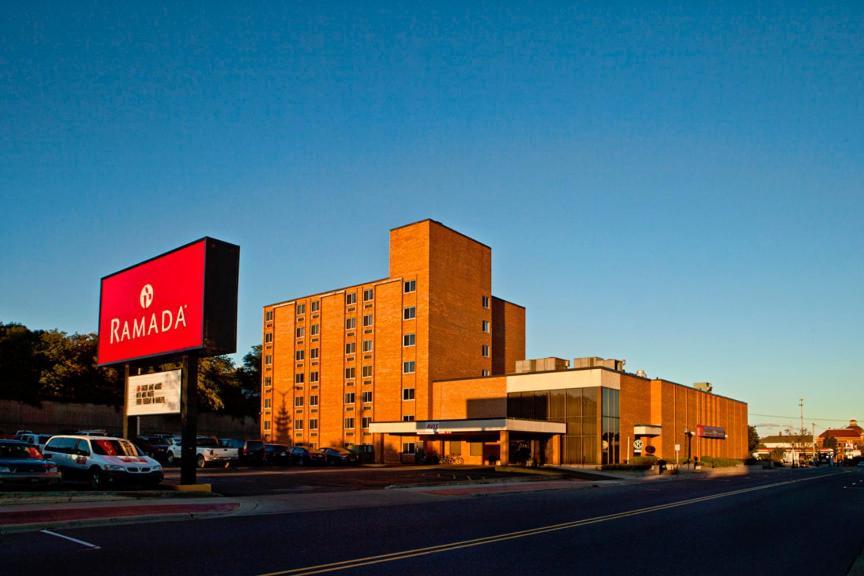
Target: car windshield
(17,451)
(114,448)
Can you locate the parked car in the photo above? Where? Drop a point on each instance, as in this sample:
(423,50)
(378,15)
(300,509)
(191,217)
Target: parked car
(303,456)
(338,456)
(207,451)
(155,447)
(102,460)
(22,463)
(37,440)
(277,455)
(93,432)
(249,452)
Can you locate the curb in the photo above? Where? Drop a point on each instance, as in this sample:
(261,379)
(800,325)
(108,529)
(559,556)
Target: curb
(169,513)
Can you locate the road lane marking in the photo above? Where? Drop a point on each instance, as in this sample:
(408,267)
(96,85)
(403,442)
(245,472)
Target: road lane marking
(470,543)
(75,540)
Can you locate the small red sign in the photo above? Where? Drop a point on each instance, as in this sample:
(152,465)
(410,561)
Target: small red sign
(154,308)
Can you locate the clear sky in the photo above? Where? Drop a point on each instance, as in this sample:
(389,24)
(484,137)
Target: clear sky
(672,184)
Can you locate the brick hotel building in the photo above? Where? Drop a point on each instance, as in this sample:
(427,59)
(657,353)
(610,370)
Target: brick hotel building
(427,358)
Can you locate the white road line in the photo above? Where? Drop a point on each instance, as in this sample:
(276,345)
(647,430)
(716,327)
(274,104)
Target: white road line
(75,540)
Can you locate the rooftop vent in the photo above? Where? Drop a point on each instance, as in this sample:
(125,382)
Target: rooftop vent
(549,364)
(703,386)
(597,362)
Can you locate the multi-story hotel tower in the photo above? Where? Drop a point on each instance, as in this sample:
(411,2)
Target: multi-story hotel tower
(336,361)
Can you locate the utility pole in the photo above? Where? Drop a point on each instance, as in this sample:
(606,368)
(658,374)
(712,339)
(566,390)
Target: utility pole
(801,428)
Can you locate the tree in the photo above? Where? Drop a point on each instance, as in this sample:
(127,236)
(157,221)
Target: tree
(752,439)
(19,365)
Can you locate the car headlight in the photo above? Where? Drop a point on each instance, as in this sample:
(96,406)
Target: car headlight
(115,467)
(5,470)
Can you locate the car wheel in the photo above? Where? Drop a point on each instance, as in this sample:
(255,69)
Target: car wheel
(97,479)
(201,462)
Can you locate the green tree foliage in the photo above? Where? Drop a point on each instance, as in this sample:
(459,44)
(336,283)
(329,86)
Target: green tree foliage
(52,365)
(752,439)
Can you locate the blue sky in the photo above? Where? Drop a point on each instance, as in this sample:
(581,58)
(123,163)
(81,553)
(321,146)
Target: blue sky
(673,184)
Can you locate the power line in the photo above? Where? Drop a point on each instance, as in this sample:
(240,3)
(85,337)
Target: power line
(796,417)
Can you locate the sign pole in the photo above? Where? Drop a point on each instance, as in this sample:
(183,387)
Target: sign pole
(188,419)
(126,401)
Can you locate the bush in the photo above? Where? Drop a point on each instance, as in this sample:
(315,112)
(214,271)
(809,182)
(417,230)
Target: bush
(712,462)
(626,467)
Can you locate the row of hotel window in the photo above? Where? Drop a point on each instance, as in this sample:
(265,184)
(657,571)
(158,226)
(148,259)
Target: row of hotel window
(313,424)
(368,294)
(350,398)
(351,373)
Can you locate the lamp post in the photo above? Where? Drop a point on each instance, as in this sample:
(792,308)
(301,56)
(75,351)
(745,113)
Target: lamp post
(689,435)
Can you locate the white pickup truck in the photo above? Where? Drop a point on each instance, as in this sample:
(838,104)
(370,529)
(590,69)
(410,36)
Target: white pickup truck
(207,451)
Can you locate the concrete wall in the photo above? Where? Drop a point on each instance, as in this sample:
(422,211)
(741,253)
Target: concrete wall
(54,417)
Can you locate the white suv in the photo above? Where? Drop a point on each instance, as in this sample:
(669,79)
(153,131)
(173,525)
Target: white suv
(102,460)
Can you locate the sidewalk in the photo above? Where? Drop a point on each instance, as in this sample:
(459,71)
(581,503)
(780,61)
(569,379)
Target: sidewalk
(44,514)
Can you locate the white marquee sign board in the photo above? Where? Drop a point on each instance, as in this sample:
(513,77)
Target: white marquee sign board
(157,393)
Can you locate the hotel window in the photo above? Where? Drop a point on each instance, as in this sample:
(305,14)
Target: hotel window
(268,359)
(367,320)
(408,418)
(409,448)
(301,309)
(367,371)
(298,402)
(485,301)
(408,340)
(484,325)
(316,305)
(365,421)
(298,378)
(368,294)
(313,376)
(268,381)
(268,315)
(366,397)
(349,398)
(298,425)
(313,424)
(313,400)
(484,350)
(409,313)
(367,345)
(350,347)
(313,353)
(299,332)
(349,373)
(408,367)
(351,298)
(350,323)
(299,355)
(349,423)
(266,425)
(410,286)
(484,372)
(316,329)
(268,337)
(267,403)
(408,394)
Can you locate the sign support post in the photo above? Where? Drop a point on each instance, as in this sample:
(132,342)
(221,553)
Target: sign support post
(189,420)
(126,401)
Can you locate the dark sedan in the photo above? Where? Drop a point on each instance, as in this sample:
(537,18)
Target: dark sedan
(303,456)
(155,447)
(338,456)
(21,463)
(276,455)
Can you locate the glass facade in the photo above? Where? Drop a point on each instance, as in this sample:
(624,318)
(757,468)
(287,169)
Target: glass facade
(591,415)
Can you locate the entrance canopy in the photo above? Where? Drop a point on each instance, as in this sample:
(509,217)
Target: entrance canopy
(443,427)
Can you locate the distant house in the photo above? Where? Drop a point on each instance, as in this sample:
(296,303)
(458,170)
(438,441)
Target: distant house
(794,447)
(849,440)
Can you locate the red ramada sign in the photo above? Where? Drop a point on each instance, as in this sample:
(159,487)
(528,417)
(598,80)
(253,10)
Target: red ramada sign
(155,308)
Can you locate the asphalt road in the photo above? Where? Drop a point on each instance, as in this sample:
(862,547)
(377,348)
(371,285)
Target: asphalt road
(780,522)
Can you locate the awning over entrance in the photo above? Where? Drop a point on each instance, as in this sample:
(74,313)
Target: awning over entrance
(647,429)
(432,427)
